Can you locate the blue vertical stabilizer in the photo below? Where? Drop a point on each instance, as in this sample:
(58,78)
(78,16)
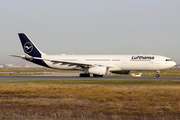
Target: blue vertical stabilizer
(28,46)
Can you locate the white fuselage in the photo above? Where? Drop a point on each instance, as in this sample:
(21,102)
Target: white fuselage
(118,62)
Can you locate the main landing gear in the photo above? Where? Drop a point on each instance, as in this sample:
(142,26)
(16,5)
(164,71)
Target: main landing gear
(157,74)
(88,75)
(84,75)
(94,75)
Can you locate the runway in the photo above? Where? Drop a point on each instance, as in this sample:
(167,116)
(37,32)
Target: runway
(75,76)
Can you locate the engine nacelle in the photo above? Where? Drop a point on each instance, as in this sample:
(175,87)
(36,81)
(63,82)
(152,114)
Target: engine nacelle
(99,70)
(121,72)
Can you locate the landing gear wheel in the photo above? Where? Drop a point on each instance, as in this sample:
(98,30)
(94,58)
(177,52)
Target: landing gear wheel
(157,75)
(84,75)
(94,75)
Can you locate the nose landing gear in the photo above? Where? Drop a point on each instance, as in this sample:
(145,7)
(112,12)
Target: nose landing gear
(157,74)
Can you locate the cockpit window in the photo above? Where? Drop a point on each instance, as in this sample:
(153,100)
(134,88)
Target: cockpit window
(168,60)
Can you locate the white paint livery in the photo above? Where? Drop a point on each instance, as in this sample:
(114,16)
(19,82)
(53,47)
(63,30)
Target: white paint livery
(98,65)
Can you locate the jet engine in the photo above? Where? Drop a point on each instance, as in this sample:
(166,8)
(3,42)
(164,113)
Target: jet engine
(99,70)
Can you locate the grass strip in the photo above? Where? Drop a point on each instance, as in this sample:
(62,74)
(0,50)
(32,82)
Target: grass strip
(100,82)
(90,99)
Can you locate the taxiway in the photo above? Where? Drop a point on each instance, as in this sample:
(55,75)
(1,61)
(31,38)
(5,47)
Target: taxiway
(75,76)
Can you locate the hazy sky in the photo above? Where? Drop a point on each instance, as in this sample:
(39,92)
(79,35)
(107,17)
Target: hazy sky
(91,27)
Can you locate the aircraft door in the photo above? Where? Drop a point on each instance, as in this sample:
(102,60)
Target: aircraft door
(157,61)
(152,63)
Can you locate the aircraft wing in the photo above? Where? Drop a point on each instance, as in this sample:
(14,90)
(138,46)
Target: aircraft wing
(72,63)
(63,62)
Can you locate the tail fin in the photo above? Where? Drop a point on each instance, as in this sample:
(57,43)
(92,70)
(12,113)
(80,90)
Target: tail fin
(29,47)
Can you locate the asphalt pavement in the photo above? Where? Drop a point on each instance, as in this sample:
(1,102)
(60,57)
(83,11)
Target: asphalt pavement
(75,76)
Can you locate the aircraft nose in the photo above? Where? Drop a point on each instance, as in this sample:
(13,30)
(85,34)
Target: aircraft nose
(173,63)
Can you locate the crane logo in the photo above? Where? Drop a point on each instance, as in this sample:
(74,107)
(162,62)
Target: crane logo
(28,47)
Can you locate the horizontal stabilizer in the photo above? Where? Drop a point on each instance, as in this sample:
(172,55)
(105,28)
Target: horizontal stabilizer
(19,56)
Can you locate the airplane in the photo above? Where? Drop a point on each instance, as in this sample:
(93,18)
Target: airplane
(98,65)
